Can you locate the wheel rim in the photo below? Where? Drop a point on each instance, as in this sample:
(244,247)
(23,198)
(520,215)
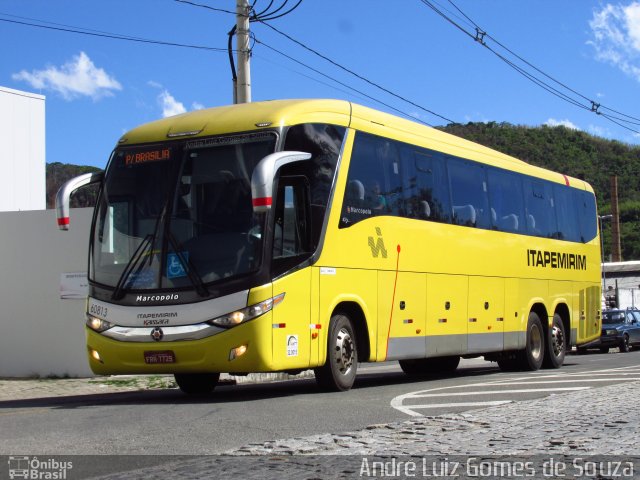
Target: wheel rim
(535,343)
(625,341)
(345,352)
(557,341)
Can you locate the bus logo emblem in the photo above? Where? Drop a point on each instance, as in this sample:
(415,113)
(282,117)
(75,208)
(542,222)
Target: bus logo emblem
(377,246)
(157,334)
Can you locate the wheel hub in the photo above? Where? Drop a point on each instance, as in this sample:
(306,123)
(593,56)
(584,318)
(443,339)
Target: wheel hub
(345,352)
(557,341)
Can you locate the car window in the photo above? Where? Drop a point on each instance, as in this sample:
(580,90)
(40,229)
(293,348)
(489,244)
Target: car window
(613,316)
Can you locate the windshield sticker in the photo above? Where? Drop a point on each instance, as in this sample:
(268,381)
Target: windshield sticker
(292,346)
(139,158)
(145,278)
(175,268)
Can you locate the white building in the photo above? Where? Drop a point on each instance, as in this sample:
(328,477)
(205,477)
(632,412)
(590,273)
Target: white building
(622,280)
(22,156)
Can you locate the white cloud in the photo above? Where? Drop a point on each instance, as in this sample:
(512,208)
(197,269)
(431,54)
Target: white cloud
(197,106)
(76,78)
(599,131)
(552,122)
(616,36)
(170,106)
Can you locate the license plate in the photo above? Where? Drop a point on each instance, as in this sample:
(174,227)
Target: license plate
(165,356)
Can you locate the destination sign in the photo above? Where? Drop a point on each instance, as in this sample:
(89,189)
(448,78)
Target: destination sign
(146,156)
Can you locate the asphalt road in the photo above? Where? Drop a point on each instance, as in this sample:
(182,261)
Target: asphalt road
(168,422)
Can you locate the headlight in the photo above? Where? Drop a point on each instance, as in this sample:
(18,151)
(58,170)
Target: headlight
(611,332)
(97,324)
(236,318)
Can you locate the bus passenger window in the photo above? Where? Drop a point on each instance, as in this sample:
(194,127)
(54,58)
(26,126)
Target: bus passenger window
(469,194)
(541,213)
(505,195)
(425,185)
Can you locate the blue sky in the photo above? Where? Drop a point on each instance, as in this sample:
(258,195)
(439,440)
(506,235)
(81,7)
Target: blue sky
(97,88)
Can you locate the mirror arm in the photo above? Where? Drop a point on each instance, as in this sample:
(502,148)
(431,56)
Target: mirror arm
(66,190)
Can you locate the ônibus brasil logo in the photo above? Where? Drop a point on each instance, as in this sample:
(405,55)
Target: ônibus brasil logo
(34,468)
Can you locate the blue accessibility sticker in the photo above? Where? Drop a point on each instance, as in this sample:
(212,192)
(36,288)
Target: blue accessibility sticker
(175,267)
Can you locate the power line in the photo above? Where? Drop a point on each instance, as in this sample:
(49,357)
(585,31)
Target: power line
(262,19)
(405,114)
(357,75)
(113,36)
(480,36)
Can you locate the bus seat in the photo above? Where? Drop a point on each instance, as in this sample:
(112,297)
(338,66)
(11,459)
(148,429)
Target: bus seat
(531,222)
(464,215)
(355,192)
(510,222)
(425,209)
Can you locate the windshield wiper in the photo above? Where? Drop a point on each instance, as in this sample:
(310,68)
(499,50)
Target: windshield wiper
(189,268)
(135,260)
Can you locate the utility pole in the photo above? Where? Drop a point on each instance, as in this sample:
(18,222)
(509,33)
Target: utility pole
(243,84)
(616,249)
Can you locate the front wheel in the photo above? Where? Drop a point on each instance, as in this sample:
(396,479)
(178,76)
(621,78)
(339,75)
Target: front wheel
(339,371)
(555,346)
(197,383)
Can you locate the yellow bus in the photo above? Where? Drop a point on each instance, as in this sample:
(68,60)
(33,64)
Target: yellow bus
(291,235)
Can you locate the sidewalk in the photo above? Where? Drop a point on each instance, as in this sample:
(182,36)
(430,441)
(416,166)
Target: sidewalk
(30,388)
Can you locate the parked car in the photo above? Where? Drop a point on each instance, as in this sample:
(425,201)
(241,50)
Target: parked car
(620,328)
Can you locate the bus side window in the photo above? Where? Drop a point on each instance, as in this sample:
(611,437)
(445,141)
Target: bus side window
(567,210)
(505,195)
(541,212)
(469,196)
(425,191)
(586,202)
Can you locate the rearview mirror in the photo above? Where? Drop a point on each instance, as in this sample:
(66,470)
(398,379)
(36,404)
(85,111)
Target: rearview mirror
(264,174)
(66,190)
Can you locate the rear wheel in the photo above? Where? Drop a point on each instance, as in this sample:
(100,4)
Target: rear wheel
(339,371)
(197,383)
(532,356)
(555,347)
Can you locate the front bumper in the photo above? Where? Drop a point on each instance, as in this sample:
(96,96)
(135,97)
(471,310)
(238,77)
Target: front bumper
(211,354)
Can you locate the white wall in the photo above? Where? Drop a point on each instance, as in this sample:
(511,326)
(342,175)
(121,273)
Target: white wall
(40,334)
(22,156)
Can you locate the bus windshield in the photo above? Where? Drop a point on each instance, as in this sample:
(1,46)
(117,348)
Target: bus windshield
(179,215)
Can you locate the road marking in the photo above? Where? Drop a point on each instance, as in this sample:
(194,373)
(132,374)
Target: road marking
(551,380)
(491,403)
(493,392)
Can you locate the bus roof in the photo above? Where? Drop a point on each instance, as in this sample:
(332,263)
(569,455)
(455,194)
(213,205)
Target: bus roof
(279,113)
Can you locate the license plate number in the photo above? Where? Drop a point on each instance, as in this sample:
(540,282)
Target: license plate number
(165,356)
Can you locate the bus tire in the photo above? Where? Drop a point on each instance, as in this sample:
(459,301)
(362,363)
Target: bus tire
(532,356)
(556,344)
(339,371)
(430,366)
(197,383)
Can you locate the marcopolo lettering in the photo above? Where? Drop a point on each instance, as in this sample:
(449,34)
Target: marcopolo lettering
(157,298)
(546,259)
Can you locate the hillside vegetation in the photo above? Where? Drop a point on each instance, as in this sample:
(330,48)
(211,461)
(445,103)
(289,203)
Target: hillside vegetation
(567,151)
